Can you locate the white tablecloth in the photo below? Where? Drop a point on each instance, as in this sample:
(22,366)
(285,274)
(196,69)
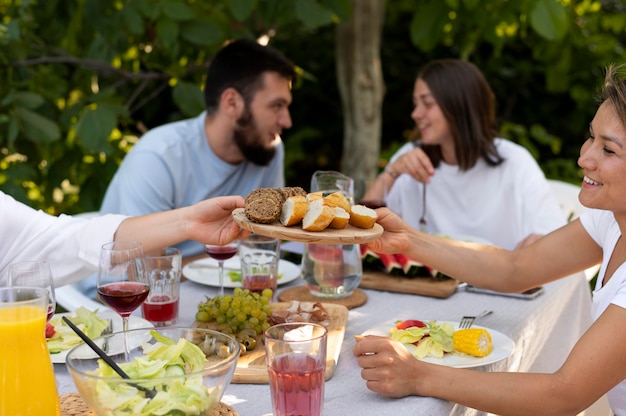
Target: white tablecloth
(544,330)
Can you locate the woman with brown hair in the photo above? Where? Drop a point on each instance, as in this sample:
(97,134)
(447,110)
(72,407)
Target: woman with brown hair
(459,178)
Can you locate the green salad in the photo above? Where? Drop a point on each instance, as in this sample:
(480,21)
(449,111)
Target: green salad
(184,395)
(432,340)
(65,338)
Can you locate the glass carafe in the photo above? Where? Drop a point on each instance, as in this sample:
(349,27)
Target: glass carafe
(332,271)
(27,384)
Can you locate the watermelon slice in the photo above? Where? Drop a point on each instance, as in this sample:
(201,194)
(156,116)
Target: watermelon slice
(390,264)
(410,267)
(370,259)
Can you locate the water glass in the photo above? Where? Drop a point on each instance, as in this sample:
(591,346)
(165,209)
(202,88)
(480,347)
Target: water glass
(164,270)
(259,257)
(332,271)
(296,363)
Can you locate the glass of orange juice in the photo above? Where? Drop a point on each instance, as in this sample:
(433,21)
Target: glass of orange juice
(27,384)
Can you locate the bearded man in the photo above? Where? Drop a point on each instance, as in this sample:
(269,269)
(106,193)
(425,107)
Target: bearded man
(233,147)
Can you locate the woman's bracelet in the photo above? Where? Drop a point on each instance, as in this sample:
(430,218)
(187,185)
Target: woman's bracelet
(392,173)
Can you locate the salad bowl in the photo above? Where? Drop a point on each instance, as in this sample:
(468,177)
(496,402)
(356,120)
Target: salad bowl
(181,371)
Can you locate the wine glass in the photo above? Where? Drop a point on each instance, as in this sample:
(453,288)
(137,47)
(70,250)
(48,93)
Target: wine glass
(34,274)
(221,253)
(122,281)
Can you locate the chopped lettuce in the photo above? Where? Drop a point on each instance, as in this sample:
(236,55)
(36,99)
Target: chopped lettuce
(65,338)
(431,341)
(185,395)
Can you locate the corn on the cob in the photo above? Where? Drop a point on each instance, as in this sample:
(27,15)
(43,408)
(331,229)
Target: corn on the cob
(473,341)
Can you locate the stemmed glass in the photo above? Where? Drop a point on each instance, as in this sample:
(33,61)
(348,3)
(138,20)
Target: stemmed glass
(34,274)
(122,281)
(221,253)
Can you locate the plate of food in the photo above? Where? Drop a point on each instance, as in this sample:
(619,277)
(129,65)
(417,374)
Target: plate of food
(503,346)
(347,235)
(91,323)
(205,272)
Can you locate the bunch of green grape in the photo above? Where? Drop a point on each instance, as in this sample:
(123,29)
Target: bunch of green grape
(243,310)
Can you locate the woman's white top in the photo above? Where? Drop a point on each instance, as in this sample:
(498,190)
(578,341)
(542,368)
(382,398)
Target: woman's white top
(500,205)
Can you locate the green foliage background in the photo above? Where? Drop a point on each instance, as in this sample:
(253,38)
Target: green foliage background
(81,80)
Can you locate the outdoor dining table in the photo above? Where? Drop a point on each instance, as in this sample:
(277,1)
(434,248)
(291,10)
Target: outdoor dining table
(544,330)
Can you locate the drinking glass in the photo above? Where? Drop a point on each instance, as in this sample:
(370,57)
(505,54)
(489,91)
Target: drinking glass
(221,253)
(28,385)
(34,274)
(122,281)
(296,363)
(164,269)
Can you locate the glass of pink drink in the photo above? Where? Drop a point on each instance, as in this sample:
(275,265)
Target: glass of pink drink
(296,363)
(164,270)
(259,257)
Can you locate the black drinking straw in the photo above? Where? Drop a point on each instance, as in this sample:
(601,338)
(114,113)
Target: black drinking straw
(150,393)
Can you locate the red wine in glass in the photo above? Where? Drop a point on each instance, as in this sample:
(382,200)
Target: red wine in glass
(221,253)
(124,297)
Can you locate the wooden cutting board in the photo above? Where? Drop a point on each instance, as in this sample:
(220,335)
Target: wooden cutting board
(348,235)
(252,368)
(425,286)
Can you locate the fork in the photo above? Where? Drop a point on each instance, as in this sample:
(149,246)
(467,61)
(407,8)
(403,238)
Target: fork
(106,331)
(468,321)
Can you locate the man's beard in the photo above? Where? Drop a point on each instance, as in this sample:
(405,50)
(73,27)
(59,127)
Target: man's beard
(250,142)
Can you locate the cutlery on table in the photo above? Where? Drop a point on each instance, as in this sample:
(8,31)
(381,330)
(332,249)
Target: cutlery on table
(468,321)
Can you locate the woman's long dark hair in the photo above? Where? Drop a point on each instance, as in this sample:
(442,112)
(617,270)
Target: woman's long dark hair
(468,104)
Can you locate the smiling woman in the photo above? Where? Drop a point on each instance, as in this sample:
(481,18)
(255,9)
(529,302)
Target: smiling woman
(588,372)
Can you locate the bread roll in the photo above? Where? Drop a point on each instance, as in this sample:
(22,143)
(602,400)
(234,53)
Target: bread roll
(342,217)
(337,199)
(362,216)
(318,216)
(314,195)
(293,211)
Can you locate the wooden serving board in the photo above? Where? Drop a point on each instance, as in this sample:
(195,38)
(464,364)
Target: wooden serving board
(425,286)
(252,368)
(348,235)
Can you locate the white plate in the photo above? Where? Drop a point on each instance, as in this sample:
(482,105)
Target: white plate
(503,346)
(133,322)
(204,271)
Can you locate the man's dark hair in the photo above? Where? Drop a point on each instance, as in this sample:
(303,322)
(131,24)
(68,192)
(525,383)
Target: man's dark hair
(241,65)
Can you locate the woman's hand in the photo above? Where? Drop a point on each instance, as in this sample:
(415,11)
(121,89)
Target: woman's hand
(210,221)
(415,163)
(387,366)
(395,238)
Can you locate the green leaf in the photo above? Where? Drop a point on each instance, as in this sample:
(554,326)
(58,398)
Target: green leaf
(28,99)
(94,127)
(188,97)
(177,10)
(149,8)
(132,19)
(549,19)
(241,9)
(341,8)
(427,25)
(167,30)
(201,33)
(36,127)
(312,14)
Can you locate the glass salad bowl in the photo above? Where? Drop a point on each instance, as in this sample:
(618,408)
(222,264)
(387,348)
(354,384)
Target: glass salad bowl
(178,371)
